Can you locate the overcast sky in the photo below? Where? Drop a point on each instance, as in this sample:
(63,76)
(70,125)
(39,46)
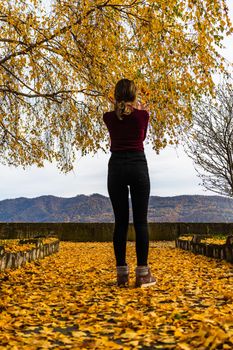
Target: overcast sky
(171,172)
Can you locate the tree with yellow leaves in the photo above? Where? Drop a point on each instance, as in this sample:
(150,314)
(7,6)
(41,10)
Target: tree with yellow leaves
(58,68)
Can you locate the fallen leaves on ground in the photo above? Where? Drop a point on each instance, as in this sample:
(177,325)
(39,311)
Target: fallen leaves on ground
(70,300)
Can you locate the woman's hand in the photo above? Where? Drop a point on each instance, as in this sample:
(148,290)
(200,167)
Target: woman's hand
(139,105)
(136,104)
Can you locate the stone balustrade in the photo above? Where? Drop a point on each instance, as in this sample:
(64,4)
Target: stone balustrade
(217,251)
(14,260)
(103,231)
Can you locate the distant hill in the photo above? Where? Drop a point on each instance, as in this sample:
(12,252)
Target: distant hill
(98,208)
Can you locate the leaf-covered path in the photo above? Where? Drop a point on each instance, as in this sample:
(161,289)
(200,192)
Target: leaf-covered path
(70,301)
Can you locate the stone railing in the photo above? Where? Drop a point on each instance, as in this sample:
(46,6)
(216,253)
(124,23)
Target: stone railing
(103,232)
(217,251)
(16,259)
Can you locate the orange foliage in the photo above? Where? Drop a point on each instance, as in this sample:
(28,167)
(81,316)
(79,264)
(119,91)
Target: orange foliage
(58,68)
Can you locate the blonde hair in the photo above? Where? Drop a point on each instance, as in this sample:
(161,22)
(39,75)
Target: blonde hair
(125,94)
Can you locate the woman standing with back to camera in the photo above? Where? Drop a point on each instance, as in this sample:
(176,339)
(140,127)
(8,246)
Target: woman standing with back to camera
(127,166)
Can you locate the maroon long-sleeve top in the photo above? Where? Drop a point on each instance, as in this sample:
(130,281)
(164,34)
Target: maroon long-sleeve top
(127,134)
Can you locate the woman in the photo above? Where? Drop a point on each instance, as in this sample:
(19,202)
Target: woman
(127,166)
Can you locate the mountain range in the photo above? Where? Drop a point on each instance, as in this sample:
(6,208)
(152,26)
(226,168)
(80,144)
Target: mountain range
(98,208)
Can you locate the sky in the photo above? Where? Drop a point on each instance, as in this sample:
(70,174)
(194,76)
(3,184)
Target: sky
(171,172)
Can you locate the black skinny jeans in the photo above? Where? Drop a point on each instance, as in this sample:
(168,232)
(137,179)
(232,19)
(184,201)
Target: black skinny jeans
(129,168)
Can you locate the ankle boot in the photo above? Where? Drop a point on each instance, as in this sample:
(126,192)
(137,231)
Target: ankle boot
(144,277)
(122,275)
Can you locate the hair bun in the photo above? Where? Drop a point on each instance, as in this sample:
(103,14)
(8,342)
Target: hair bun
(125,94)
(121,105)
(124,107)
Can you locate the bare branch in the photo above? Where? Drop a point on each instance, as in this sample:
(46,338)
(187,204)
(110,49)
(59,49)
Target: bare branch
(209,143)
